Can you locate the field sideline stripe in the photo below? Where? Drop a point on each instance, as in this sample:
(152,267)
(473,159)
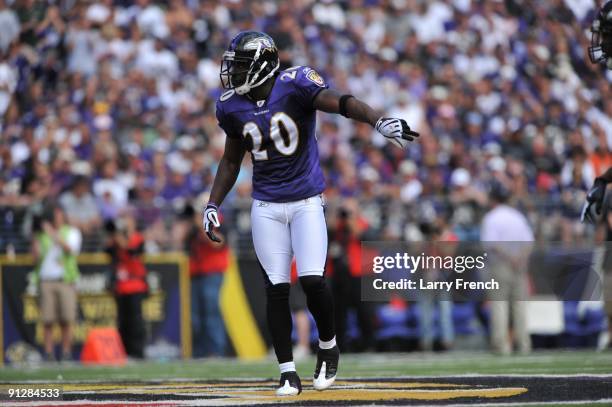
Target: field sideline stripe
(229,380)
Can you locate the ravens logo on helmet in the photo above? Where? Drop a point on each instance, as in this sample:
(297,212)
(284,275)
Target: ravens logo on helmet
(249,61)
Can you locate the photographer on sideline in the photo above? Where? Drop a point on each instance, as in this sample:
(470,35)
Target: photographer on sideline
(55,248)
(346,233)
(128,282)
(208,261)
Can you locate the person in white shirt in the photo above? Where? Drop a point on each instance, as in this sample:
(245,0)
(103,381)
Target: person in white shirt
(80,206)
(507,234)
(10,26)
(55,249)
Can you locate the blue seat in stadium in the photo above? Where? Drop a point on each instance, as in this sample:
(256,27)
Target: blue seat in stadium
(595,321)
(571,319)
(352,326)
(465,320)
(393,323)
(582,327)
(412,320)
(405,323)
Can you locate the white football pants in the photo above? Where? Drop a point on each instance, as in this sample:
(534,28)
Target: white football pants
(281,230)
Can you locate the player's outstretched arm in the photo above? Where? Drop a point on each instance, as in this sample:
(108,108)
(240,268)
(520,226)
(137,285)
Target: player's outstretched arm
(395,129)
(328,100)
(228,170)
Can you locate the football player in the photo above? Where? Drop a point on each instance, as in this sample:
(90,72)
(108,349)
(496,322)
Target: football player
(601,37)
(595,196)
(272,114)
(599,51)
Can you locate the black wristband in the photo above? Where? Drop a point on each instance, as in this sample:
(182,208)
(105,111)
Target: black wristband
(343,100)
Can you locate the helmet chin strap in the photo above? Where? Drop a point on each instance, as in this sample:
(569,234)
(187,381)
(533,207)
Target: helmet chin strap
(243,89)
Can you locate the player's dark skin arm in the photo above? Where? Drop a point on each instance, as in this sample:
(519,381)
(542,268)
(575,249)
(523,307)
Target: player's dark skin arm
(328,100)
(228,170)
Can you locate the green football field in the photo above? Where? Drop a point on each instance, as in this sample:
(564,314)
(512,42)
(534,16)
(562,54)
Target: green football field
(422,379)
(354,365)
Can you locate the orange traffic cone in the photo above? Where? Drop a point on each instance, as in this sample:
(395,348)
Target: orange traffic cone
(103,346)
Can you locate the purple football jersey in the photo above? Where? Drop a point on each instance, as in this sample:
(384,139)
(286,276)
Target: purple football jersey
(280,134)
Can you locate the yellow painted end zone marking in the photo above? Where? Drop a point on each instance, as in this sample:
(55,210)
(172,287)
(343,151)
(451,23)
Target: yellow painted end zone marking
(261,391)
(386,395)
(338,384)
(239,385)
(185,311)
(238,317)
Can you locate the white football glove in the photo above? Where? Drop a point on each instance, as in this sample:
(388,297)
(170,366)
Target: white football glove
(210,221)
(396,130)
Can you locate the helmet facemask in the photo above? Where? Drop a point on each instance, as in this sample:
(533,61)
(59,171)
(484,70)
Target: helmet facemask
(234,70)
(245,70)
(601,41)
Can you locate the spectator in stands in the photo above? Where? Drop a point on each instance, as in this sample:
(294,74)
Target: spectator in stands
(50,30)
(83,42)
(411,187)
(467,201)
(111,193)
(38,189)
(372,199)
(208,261)
(148,215)
(577,170)
(10,27)
(128,281)
(176,188)
(8,85)
(80,206)
(55,249)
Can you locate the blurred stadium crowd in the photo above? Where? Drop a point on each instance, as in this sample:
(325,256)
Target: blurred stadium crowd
(109,107)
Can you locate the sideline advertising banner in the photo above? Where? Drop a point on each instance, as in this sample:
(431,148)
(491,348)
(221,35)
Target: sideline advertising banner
(165,310)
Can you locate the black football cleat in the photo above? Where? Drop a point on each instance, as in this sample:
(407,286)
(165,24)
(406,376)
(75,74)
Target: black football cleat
(326,369)
(290,384)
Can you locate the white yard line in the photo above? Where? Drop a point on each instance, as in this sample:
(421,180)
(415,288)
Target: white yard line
(340,377)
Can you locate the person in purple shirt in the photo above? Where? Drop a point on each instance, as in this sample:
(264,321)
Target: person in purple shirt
(272,114)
